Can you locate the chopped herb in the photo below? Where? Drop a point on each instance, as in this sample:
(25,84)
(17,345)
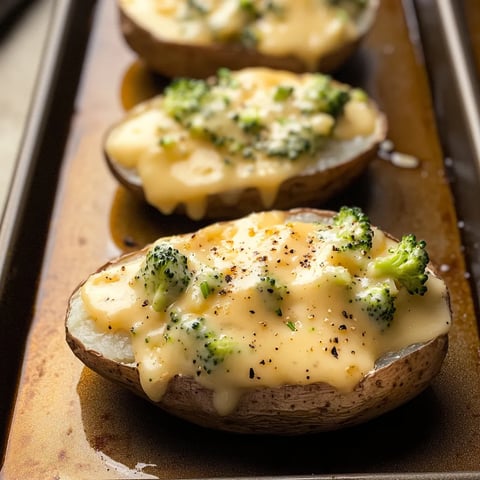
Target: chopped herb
(282,93)
(291,326)
(205,288)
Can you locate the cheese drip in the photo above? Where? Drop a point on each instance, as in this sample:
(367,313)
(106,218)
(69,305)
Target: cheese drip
(307,29)
(258,128)
(280,311)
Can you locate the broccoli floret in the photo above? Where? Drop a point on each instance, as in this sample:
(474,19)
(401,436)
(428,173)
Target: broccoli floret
(353,229)
(209,281)
(379,303)
(165,275)
(211,348)
(290,140)
(249,6)
(218,347)
(323,95)
(406,264)
(273,293)
(225,78)
(249,120)
(185,96)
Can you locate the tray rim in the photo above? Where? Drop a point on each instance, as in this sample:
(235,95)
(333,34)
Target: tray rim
(57,73)
(452,76)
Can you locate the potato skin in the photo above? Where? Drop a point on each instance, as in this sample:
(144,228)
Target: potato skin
(299,191)
(288,409)
(174,59)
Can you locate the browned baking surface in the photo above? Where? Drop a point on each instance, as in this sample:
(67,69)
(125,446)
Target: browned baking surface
(71,423)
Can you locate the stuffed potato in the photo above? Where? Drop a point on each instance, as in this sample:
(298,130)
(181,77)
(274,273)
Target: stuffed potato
(245,141)
(195,38)
(280,322)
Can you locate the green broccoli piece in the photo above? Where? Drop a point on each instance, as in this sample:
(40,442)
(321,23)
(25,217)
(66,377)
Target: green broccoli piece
(225,78)
(323,95)
(249,120)
(211,348)
(291,141)
(406,264)
(184,97)
(218,347)
(353,229)
(273,293)
(209,281)
(283,93)
(379,303)
(249,6)
(256,9)
(165,275)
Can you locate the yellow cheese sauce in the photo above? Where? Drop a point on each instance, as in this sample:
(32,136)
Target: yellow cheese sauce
(254,129)
(307,29)
(283,308)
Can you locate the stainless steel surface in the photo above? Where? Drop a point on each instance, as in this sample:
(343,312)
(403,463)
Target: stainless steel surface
(21,50)
(462,70)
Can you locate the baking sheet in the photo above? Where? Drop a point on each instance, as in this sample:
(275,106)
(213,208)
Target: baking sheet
(67,422)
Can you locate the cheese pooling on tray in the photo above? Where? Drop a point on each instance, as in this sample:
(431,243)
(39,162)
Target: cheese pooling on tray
(252,128)
(267,300)
(308,29)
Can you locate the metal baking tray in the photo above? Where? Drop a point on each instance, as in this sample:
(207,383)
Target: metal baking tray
(66,215)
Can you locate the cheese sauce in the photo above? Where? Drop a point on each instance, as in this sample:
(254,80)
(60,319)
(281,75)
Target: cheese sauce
(307,29)
(260,128)
(283,309)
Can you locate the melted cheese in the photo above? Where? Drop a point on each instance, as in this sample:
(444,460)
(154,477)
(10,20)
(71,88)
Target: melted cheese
(307,29)
(306,329)
(188,168)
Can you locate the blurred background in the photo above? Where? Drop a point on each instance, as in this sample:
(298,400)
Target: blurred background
(23,33)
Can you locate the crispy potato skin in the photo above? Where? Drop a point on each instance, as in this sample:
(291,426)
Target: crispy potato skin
(174,59)
(288,409)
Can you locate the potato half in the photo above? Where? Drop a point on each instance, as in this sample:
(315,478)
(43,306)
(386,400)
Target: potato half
(288,409)
(175,54)
(203,176)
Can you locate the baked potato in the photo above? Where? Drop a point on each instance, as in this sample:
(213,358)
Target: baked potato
(281,322)
(245,141)
(195,38)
